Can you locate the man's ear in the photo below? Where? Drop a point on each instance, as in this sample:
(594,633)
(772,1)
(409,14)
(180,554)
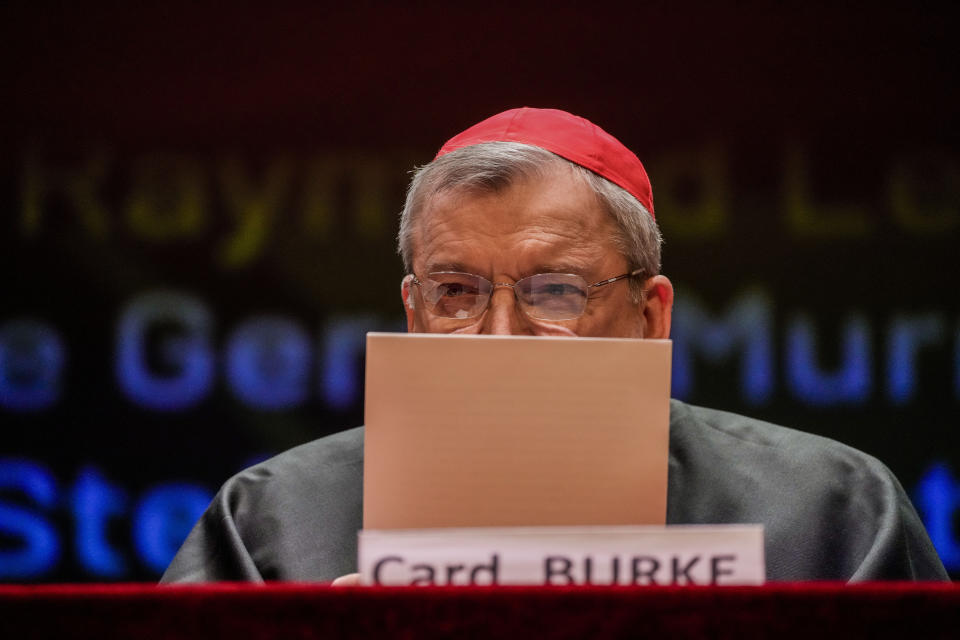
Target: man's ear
(409,300)
(657,307)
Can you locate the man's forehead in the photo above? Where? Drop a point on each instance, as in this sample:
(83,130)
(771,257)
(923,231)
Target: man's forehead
(562,264)
(556,196)
(554,220)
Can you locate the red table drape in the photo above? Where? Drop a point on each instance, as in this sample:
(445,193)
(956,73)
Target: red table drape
(903,610)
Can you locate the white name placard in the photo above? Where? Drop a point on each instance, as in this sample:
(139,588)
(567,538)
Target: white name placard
(622,555)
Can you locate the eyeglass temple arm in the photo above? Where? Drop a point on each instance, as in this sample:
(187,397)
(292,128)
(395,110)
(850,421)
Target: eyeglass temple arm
(633,273)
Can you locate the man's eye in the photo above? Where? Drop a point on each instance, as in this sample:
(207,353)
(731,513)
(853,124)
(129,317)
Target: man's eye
(558,289)
(455,289)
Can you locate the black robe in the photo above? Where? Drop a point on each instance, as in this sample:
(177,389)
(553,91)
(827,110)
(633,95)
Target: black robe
(830,512)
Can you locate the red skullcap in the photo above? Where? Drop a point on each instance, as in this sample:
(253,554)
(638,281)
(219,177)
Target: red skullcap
(569,136)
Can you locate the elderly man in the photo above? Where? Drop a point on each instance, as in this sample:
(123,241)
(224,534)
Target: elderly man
(537,222)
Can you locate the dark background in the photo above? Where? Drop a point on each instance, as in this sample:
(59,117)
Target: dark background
(803,160)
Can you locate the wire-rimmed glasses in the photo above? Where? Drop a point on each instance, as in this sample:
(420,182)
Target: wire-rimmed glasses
(544,296)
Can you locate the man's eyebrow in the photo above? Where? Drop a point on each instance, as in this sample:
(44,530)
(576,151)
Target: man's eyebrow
(437,267)
(558,267)
(544,267)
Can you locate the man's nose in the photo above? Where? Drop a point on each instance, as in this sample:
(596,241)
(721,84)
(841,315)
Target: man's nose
(503,316)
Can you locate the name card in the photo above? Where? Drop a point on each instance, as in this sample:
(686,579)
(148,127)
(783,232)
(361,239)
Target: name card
(623,555)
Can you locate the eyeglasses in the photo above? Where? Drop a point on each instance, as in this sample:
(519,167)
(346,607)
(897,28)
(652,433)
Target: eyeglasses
(544,296)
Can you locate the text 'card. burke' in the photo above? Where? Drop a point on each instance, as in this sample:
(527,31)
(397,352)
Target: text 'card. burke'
(620,555)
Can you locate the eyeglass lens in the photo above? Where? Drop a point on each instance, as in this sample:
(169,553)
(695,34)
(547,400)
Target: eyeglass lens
(545,296)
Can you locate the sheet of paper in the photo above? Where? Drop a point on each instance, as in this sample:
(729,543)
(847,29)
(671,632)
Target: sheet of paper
(466,431)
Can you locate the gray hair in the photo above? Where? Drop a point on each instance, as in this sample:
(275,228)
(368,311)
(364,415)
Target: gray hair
(493,166)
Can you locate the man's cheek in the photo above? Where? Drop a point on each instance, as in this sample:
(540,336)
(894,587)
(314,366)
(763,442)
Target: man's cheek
(425,322)
(474,327)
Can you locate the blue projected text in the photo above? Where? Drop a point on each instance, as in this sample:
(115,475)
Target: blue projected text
(157,523)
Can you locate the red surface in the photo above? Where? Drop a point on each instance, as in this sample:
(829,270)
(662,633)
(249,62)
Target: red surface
(317,611)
